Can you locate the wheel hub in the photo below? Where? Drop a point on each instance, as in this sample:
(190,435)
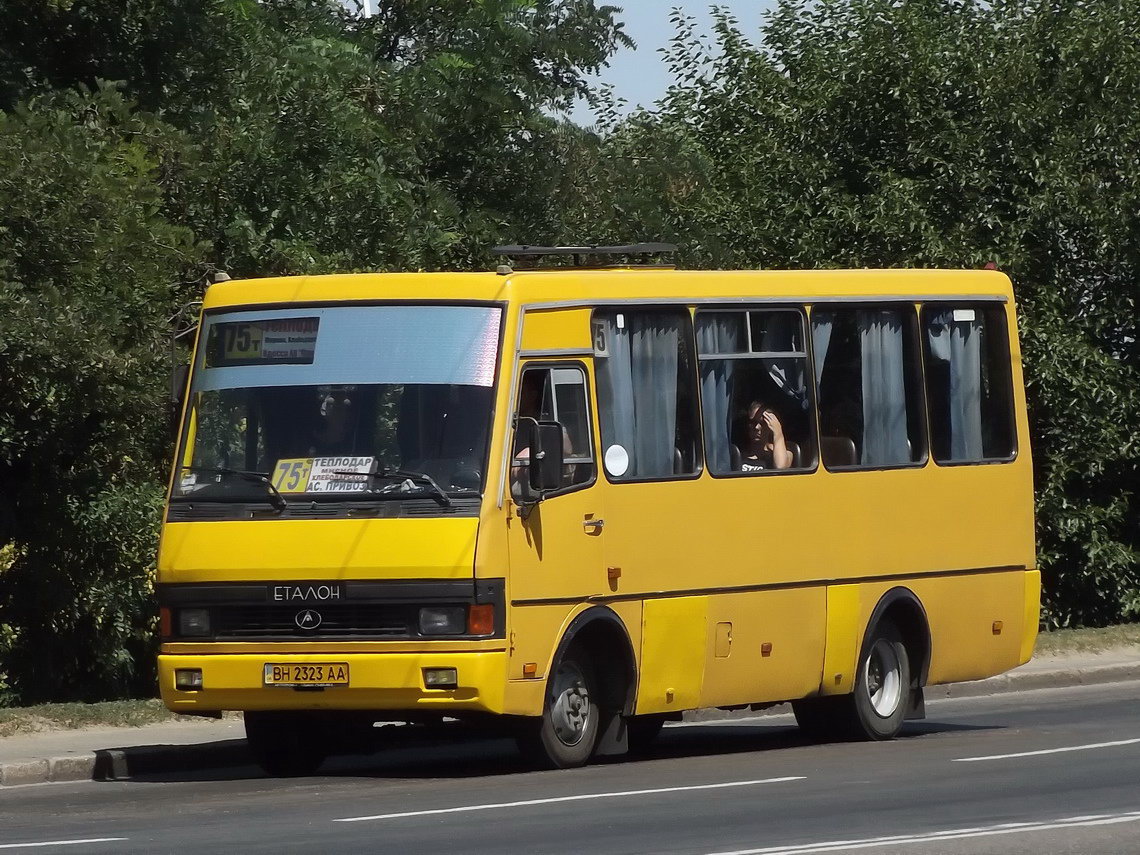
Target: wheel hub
(883,678)
(570,707)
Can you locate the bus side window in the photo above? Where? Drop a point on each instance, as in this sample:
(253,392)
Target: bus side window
(969,389)
(753,362)
(869,382)
(557,394)
(647,396)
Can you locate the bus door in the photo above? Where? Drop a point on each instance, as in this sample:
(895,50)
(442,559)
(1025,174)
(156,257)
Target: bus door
(556,549)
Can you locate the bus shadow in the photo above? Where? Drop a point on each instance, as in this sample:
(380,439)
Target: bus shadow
(473,756)
(720,738)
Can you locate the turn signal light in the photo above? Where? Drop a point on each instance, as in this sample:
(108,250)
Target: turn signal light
(165,627)
(480,619)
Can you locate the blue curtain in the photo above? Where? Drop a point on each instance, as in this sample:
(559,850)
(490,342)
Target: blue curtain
(884,388)
(718,333)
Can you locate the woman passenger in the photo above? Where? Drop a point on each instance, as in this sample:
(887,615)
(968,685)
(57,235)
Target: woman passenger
(764,446)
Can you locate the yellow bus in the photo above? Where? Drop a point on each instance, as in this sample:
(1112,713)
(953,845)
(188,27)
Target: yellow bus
(578,501)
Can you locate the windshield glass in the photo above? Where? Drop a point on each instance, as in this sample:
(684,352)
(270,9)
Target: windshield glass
(349,402)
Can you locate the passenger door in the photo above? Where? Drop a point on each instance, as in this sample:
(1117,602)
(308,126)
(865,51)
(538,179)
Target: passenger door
(556,549)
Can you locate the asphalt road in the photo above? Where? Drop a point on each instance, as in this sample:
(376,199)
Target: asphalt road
(949,785)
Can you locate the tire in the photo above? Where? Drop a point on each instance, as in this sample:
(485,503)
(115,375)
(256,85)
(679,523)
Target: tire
(567,733)
(882,685)
(285,744)
(877,707)
(642,731)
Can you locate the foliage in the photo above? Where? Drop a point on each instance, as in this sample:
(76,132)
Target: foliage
(867,133)
(85,262)
(414,139)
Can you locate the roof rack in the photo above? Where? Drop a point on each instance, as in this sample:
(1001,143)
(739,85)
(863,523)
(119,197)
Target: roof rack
(628,255)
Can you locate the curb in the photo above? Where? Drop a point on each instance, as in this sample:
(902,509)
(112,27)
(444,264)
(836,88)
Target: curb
(1024,681)
(123,764)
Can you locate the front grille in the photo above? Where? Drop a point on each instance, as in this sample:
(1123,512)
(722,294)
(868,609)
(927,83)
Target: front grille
(340,620)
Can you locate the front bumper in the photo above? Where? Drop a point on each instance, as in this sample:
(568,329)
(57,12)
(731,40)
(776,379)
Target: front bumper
(377,681)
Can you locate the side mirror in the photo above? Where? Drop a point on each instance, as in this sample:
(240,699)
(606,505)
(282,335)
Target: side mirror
(179,378)
(542,442)
(546,457)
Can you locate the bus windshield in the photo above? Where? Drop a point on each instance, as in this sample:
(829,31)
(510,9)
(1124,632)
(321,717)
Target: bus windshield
(347,402)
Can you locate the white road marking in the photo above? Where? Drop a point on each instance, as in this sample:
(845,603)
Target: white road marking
(61,842)
(578,798)
(937,836)
(1048,751)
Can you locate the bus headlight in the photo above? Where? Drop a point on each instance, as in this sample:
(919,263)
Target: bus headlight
(445,620)
(194,622)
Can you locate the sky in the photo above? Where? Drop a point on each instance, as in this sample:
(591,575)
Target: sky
(640,76)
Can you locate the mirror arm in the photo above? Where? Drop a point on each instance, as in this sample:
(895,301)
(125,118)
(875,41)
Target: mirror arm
(523,509)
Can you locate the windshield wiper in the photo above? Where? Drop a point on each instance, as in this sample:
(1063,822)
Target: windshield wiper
(421,478)
(275,498)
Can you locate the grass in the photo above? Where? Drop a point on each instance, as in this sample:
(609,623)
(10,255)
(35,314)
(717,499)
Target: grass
(22,720)
(1083,641)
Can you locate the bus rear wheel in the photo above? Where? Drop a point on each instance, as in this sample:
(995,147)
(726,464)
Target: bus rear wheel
(285,744)
(567,733)
(882,685)
(877,707)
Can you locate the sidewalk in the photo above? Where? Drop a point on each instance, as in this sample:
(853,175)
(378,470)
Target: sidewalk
(119,753)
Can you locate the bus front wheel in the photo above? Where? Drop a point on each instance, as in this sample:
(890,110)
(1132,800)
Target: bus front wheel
(285,744)
(567,733)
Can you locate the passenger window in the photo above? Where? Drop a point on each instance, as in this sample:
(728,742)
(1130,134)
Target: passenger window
(754,390)
(558,394)
(647,399)
(868,381)
(968,385)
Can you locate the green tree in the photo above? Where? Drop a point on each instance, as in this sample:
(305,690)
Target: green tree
(87,263)
(415,138)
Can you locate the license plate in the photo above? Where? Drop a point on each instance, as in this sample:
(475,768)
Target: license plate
(306,674)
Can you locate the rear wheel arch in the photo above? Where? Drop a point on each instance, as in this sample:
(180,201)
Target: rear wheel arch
(902,608)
